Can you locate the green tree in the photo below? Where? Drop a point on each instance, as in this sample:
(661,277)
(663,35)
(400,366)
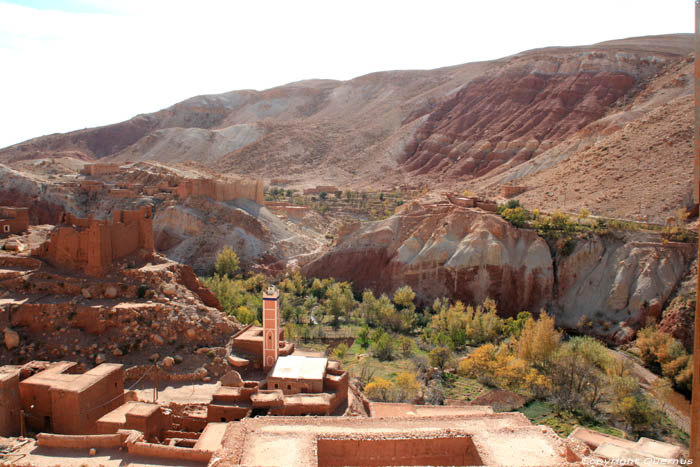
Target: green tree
(227,263)
(439,357)
(404,297)
(363,337)
(339,301)
(383,348)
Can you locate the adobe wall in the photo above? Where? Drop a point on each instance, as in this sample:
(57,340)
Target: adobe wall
(13,220)
(169,452)
(222,190)
(36,403)
(189,423)
(10,402)
(151,425)
(299,408)
(295,386)
(338,384)
(52,440)
(91,246)
(119,193)
(76,412)
(508,191)
(251,341)
(226,412)
(99,169)
(487,205)
(403,451)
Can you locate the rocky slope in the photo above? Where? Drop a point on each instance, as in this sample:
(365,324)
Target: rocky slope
(193,232)
(151,306)
(438,127)
(634,163)
(608,286)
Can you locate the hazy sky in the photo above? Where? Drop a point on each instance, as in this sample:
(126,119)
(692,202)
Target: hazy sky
(71,64)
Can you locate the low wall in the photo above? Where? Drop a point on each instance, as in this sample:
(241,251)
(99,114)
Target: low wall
(338,381)
(79,441)
(169,452)
(403,451)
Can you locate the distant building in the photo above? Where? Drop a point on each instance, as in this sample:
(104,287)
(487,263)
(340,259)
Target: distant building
(13,220)
(99,169)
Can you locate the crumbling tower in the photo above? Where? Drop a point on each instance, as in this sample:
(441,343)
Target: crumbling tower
(271,327)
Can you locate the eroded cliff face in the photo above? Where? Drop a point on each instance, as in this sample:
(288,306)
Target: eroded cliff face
(194,231)
(611,286)
(608,286)
(444,250)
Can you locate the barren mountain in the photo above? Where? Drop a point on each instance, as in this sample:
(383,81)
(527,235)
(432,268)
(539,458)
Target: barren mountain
(539,118)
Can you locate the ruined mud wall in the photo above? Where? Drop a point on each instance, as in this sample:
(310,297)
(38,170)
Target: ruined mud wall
(223,190)
(91,246)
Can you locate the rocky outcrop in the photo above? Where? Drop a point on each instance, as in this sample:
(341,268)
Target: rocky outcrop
(608,286)
(678,320)
(122,317)
(613,286)
(195,231)
(443,250)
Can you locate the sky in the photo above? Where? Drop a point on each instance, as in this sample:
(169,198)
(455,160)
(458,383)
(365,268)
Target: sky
(72,64)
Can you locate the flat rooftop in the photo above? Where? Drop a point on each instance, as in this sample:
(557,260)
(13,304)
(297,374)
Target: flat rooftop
(118,415)
(498,439)
(8,372)
(55,378)
(300,367)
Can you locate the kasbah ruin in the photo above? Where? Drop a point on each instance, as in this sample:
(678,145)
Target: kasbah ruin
(319,275)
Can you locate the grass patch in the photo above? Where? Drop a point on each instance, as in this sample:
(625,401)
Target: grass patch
(462,388)
(563,422)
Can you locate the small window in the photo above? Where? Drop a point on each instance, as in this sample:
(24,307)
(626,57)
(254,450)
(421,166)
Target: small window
(223,419)
(289,387)
(277,386)
(6,228)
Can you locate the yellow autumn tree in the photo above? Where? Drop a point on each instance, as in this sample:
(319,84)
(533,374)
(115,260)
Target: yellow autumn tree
(479,364)
(538,341)
(407,386)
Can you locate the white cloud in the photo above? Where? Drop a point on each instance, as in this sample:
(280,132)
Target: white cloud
(67,70)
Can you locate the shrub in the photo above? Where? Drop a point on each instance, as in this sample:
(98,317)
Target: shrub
(380,389)
(227,262)
(439,357)
(407,346)
(383,348)
(516,216)
(340,351)
(363,337)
